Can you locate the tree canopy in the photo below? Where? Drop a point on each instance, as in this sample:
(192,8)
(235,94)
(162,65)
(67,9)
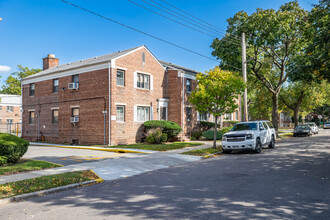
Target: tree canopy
(217,93)
(13,83)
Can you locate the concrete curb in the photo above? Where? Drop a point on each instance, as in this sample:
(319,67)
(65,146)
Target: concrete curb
(117,150)
(23,197)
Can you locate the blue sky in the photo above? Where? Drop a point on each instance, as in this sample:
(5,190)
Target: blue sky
(31,29)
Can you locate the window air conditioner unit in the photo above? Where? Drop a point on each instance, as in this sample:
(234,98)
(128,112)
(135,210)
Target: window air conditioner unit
(73,86)
(74,119)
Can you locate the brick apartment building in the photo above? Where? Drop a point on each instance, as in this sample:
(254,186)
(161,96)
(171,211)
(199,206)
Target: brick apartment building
(10,113)
(106,99)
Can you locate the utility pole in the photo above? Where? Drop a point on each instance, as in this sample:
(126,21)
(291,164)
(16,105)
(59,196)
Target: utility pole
(246,118)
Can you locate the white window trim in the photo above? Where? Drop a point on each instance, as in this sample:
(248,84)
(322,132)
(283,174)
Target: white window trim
(55,108)
(75,106)
(151,80)
(150,113)
(120,104)
(121,122)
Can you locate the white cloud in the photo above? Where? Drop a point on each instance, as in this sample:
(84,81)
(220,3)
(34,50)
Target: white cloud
(4,68)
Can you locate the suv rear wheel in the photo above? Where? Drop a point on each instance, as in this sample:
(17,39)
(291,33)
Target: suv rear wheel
(272,143)
(258,147)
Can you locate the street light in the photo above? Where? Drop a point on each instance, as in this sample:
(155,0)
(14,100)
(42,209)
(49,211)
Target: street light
(0,19)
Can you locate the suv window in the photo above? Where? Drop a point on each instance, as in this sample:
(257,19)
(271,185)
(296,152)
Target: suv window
(245,126)
(265,125)
(270,125)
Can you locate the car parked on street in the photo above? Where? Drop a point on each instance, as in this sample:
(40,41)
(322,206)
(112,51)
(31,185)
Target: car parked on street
(249,136)
(302,130)
(315,129)
(326,125)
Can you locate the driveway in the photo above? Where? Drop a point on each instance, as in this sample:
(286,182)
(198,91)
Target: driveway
(291,181)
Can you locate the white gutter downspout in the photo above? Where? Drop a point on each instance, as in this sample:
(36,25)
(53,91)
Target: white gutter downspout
(109,71)
(183,109)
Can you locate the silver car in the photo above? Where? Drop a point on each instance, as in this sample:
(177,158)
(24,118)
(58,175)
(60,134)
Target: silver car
(313,126)
(326,125)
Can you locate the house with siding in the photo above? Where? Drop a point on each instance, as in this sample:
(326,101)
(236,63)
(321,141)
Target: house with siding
(106,99)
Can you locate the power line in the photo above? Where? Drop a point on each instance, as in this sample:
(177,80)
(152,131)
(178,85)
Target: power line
(180,22)
(183,19)
(219,31)
(142,32)
(234,36)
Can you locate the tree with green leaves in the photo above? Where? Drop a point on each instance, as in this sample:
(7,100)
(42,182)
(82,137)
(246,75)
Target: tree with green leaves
(314,59)
(216,93)
(13,83)
(303,97)
(273,38)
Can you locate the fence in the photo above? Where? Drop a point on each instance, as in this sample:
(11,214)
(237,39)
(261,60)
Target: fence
(11,128)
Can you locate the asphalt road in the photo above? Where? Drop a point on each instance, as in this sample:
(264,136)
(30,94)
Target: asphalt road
(288,182)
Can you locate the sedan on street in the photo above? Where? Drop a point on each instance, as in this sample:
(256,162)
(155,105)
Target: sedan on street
(313,126)
(302,130)
(326,125)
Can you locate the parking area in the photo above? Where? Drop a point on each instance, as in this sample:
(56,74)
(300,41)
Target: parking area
(68,156)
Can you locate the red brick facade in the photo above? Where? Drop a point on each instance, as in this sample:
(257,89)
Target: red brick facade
(167,87)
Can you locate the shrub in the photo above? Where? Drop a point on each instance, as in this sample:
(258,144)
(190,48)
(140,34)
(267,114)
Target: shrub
(168,127)
(155,136)
(12,147)
(225,130)
(3,160)
(206,125)
(196,135)
(209,135)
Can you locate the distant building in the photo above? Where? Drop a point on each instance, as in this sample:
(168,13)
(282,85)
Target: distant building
(10,112)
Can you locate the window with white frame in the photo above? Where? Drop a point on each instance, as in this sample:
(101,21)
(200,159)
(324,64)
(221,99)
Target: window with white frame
(203,116)
(120,78)
(188,113)
(9,121)
(120,113)
(188,85)
(143,81)
(143,113)
(10,108)
(31,117)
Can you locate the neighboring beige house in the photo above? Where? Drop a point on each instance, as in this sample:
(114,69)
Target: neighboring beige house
(10,113)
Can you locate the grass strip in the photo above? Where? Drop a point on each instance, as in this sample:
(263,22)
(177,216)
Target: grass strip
(286,135)
(159,147)
(45,182)
(204,152)
(24,165)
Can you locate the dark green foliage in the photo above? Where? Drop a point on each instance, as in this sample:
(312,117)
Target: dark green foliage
(209,135)
(155,136)
(225,130)
(12,147)
(206,125)
(196,135)
(3,160)
(168,127)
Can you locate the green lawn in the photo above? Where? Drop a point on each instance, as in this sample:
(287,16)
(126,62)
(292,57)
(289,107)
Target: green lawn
(159,147)
(204,152)
(286,135)
(45,182)
(24,165)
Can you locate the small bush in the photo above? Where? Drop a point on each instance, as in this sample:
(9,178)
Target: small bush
(225,130)
(155,136)
(168,127)
(12,147)
(209,135)
(196,135)
(3,160)
(206,125)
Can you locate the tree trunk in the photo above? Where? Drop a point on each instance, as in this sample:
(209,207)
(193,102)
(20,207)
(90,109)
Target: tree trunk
(215,132)
(275,112)
(296,116)
(221,122)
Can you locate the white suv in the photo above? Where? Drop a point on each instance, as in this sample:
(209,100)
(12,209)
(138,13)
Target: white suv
(249,136)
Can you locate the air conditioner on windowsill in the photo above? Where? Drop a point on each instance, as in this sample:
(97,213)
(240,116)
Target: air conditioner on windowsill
(73,86)
(74,119)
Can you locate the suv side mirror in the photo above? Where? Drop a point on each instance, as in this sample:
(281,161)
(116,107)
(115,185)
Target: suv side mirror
(262,128)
